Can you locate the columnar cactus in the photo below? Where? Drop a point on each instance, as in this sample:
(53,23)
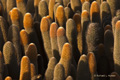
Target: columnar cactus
(59,72)
(10,4)
(92,65)
(53,39)
(15,18)
(66,58)
(94,36)
(85,20)
(51,9)
(71,33)
(44,27)
(109,44)
(68,13)
(86,6)
(95,12)
(14,37)
(22,8)
(25,73)
(83,69)
(4,28)
(116,52)
(24,39)
(3,2)
(61,38)
(55,8)
(43,9)
(114,20)
(28,25)
(113,6)
(105,13)
(10,59)
(50,69)
(60,16)
(31,52)
(77,19)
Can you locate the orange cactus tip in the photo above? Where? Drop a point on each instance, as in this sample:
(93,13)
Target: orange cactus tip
(44,26)
(8,78)
(48,17)
(24,37)
(92,62)
(14,14)
(66,51)
(118,24)
(59,11)
(53,30)
(84,14)
(28,21)
(19,1)
(25,60)
(60,31)
(94,8)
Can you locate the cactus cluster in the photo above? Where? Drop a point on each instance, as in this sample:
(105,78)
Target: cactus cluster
(59,39)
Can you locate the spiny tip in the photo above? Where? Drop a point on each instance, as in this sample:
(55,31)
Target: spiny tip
(8,78)
(53,30)
(28,20)
(85,14)
(44,26)
(14,14)
(60,31)
(24,37)
(67,51)
(94,8)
